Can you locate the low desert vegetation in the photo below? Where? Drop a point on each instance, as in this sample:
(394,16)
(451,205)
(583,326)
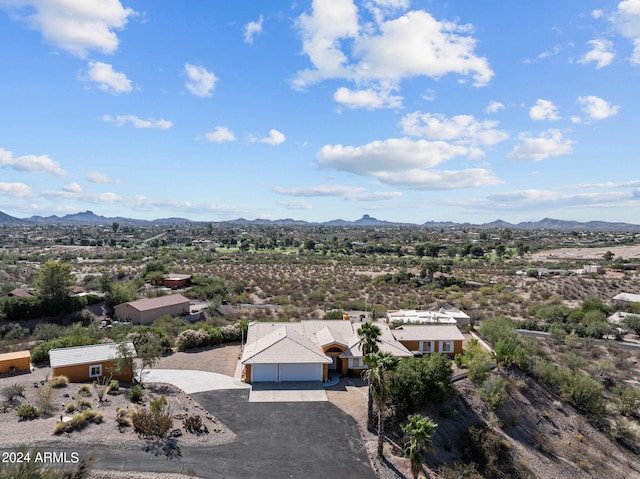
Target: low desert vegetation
(245,273)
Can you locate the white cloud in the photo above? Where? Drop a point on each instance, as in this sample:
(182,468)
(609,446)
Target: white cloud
(275,138)
(97,177)
(627,21)
(73,188)
(597,108)
(77,26)
(395,154)
(380,55)
(367,98)
(31,163)
(597,13)
(601,53)
(15,190)
(351,193)
(464,129)
(544,110)
(252,28)
(494,106)
(137,122)
(200,81)
(547,144)
(440,180)
(107,78)
(220,134)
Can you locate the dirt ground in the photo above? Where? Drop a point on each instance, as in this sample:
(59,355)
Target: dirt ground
(631,253)
(217,359)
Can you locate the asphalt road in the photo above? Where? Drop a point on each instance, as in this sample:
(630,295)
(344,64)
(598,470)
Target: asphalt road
(274,441)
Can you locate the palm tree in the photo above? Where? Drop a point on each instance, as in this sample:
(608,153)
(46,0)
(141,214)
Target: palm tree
(381,365)
(418,431)
(369,338)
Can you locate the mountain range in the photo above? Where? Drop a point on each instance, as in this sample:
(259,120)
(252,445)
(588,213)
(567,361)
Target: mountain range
(90,218)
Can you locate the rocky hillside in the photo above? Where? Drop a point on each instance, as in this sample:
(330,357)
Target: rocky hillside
(532,434)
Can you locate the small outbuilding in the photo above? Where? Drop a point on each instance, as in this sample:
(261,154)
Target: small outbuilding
(146,311)
(89,363)
(15,362)
(176,281)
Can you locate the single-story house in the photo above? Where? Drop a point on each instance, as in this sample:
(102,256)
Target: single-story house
(427,339)
(22,292)
(146,311)
(88,363)
(308,350)
(627,298)
(15,362)
(175,281)
(450,316)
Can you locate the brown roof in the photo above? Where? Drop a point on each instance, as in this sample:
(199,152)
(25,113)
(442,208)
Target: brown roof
(158,302)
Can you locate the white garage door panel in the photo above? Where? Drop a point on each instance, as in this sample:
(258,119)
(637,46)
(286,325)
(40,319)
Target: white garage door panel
(264,372)
(300,372)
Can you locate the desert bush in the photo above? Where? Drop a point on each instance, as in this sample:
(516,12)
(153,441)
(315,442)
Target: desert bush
(70,407)
(628,399)
(154,422)
(123,417)
(493,391)
(135,393)
(44,401)
(59,382)
(84,391)
(114,387)
(231,333)
(193,423)
(27,412)
(79,421)
(13,391)
(84,404)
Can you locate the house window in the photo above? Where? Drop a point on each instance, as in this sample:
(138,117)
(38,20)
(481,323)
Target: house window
(95,371)
(446,346)
(357,363)
(426,346)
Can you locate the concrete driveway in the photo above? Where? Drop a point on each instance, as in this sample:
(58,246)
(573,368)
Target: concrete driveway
(191,381)
(295,391)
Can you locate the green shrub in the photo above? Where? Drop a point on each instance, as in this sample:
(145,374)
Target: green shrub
(493,391)
(135,393)
(27,412)
(79,421)
(59,382)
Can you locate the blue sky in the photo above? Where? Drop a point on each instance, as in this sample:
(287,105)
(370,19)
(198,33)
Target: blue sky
(315,110)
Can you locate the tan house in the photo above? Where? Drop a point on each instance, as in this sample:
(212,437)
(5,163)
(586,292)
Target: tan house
(89,363)
(308,350)
(146,311)
(428,339)
(15,362)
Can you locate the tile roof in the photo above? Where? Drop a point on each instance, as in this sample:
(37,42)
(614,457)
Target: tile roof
(95,353)
(283,345)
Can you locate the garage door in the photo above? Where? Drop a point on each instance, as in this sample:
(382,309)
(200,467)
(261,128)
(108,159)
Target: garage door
(264,372)
(300,372)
